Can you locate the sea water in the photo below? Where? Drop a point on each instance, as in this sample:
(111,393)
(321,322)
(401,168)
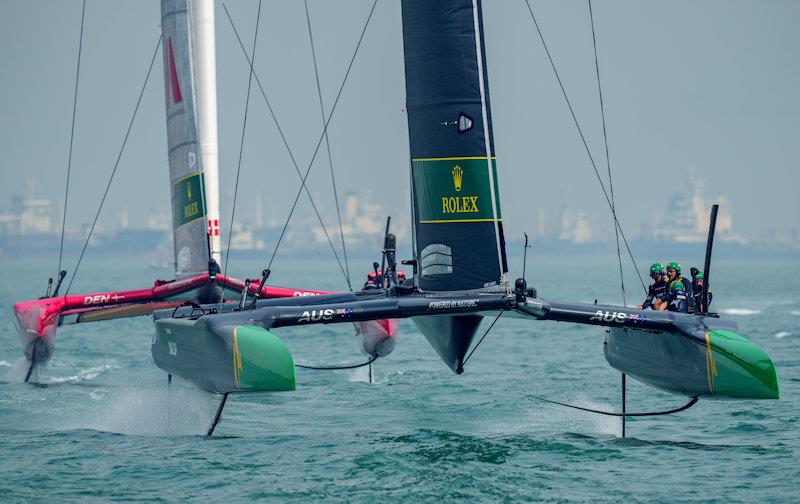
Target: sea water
(101,423)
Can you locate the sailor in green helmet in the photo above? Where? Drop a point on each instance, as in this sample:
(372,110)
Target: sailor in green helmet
(698,279)
(674,274)
(678,300)
(658,292)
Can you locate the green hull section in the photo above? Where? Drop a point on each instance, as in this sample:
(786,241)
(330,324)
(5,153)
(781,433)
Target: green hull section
(713,363)
(261,361)
(738,368)
(223,358)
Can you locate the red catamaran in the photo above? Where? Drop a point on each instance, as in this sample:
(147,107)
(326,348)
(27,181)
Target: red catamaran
(188,45)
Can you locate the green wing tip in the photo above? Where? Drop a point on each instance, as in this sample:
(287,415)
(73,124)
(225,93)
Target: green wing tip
(263,364)
(738,368)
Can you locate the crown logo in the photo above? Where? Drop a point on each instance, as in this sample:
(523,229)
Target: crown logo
(189,190)
(458,175)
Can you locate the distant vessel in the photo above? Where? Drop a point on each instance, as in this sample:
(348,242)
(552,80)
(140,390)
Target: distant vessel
(685,220)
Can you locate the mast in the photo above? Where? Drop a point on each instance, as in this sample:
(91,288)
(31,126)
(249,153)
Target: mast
(206,82)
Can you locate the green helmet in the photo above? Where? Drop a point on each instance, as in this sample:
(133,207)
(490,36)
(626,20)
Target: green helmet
(675,265)
(657,269)
(676,286)
(700,276)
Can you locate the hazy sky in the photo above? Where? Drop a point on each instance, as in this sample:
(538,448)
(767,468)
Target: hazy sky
(709,88)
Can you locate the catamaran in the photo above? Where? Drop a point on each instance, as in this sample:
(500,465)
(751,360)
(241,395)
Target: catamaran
(188,44)
(460,270)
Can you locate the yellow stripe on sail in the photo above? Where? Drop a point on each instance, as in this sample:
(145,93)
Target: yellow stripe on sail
(453,158)
(445,221)
(201,173)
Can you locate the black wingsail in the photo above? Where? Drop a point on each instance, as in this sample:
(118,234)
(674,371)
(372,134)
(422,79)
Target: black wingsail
(458,229)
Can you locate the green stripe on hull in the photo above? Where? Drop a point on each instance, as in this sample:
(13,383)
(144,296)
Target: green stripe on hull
(738,368)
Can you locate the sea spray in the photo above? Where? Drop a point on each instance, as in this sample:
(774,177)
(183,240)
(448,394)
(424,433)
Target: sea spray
(16,371)
(740,311)
(155,411)
(538,418)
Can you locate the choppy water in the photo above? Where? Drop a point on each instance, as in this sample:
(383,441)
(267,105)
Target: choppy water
(104,426)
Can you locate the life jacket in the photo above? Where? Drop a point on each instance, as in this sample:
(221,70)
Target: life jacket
(657,290)
(678,300)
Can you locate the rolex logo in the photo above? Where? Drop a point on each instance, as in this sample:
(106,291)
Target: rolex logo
(458,175)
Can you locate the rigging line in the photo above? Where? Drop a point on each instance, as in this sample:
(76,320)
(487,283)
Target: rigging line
(585,144)
(481,340)
(289,150)
(608,157)
(71,138)
(328,146)
(241,149)
(324,129)
(686,406)
(116,164)
(334,368)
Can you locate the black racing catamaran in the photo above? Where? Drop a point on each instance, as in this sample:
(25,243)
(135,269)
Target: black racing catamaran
(460,267)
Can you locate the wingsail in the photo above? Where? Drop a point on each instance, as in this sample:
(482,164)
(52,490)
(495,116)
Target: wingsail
(194,220)
(458,228)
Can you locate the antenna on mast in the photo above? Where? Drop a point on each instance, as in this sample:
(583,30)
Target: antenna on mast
(383,260)
(525,255)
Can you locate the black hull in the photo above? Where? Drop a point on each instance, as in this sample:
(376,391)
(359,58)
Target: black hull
(450,336)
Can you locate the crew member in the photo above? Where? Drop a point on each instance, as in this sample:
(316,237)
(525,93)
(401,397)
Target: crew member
(674,275)
(658,291)
(678,300)
(697,293)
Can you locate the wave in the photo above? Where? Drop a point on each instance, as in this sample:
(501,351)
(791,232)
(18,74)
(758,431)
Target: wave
(84,374)
(782,334)
(795,312)
(740,311)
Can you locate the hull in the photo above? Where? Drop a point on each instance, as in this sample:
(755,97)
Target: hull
(450,336)
(715,363)
(36,325)
(223,358)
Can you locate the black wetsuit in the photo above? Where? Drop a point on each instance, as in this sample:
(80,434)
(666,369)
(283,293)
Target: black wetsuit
(657,290)
(678,301)
(698,294)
